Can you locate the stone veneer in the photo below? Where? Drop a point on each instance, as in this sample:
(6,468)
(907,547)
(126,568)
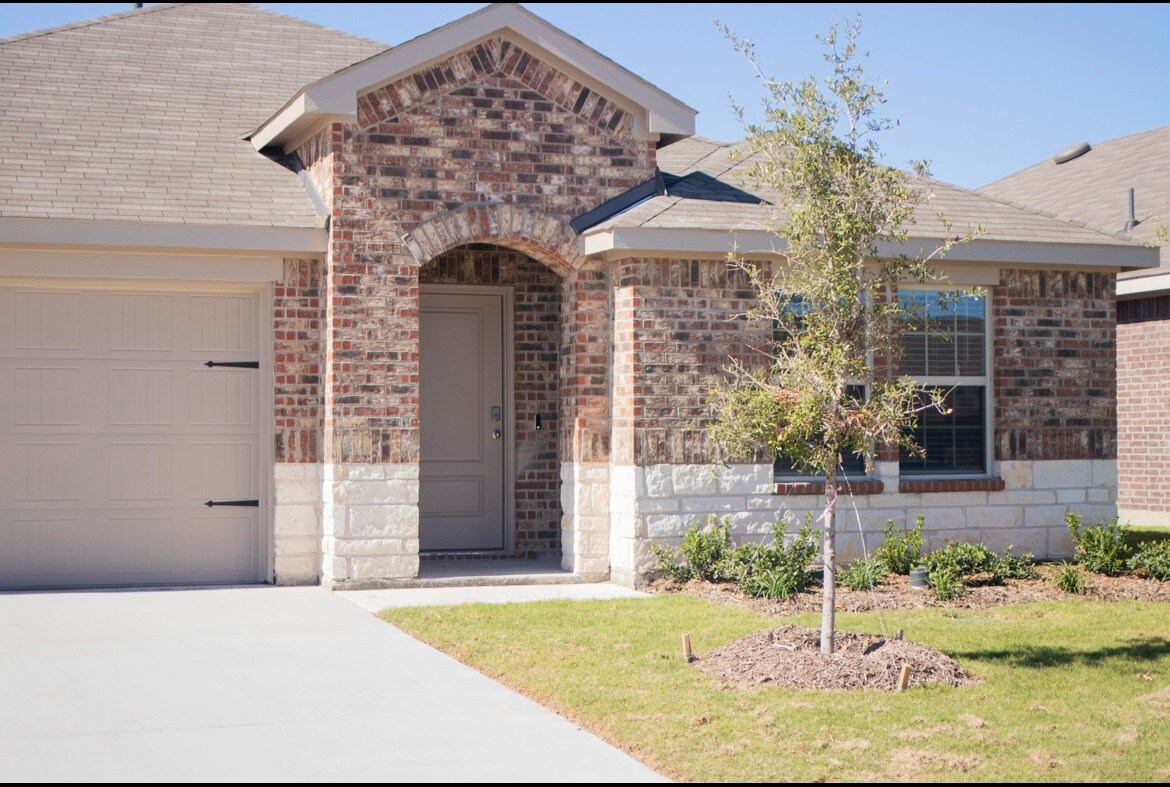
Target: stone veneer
(659,502)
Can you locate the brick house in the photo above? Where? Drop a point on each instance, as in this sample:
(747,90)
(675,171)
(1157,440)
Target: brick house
(1095,186)
(281,304)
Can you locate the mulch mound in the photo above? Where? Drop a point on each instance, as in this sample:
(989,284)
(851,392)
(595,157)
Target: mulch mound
(896,594)
(790,656)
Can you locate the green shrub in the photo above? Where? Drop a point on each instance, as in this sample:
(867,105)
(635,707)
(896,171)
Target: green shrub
(953,567)
(1101,549)
(781,570)
(1012,566)
(1152,558)
(902,549)
(965,560)
(703,552)
(863,574)
(1071,579)
(947,583)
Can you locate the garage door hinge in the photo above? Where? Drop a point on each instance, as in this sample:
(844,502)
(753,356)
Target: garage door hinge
(240,503)
(234,364)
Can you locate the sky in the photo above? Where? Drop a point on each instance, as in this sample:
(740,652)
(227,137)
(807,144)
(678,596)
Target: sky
(979,90)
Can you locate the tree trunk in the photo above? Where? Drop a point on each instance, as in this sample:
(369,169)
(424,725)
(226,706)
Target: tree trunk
(829,555)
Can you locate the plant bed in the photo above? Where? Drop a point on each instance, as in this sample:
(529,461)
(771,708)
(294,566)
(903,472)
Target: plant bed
(897,594)
(790,656)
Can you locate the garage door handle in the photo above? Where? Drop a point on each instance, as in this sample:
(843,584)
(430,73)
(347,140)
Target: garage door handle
(241,503)
(233,364)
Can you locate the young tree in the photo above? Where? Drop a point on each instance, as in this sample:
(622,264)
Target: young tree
(832,299)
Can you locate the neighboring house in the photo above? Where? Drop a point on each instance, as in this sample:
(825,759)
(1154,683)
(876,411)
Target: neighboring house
(281,304)
(1095,187)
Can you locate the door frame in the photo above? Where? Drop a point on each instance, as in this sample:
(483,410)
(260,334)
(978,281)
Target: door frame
(508,339)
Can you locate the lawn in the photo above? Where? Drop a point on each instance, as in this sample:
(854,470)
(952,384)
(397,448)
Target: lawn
(1071,691)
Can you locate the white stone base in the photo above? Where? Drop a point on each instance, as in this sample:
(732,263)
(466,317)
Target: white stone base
(585,525)
(369,524)
(1137,516)
(297,523)
(657,503)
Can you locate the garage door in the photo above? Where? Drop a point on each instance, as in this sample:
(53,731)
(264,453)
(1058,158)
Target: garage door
(116,432)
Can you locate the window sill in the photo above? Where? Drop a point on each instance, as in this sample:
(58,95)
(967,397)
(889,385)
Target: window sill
(818,487)
(951,485)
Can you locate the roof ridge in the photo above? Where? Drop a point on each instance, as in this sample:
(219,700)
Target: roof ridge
(97,20)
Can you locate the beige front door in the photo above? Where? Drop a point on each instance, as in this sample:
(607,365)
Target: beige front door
(464,429)
(115,433)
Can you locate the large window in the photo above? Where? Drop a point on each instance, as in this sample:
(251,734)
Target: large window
(947,350)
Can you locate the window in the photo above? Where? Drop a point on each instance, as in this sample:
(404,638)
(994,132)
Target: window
(948,350)
(852,465)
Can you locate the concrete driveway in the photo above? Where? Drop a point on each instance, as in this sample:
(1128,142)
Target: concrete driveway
(272,684)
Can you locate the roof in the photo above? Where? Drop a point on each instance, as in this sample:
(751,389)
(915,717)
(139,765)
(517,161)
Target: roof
(141,116)
(1094,188)
(711,192)
(335,96)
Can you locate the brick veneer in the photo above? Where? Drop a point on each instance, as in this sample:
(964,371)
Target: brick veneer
(676,323)
(1055,374)
(488,126)
(297,314)
(536,342)
(1143,406)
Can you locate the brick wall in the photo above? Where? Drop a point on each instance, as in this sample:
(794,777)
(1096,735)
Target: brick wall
(297,314)
(1143,404)
(675,327)
(1055,375)
(316,156)
(536,342)
(487,126)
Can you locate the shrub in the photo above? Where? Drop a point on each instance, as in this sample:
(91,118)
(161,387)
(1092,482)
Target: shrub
(952,567)
(947,583)
(966,560)
(1152,558)
(1071,579)
(781,570)
(1012,566)
(902,549)
(864,574)
(1101,548)
(704,550)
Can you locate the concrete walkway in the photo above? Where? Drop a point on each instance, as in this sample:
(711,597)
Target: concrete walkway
(272,684)
(377,600)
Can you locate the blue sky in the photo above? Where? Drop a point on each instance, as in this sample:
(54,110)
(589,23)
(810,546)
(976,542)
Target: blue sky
(980,90)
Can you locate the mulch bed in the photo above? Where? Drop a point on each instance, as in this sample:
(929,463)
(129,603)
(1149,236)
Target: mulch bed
(790,656)
(896,594)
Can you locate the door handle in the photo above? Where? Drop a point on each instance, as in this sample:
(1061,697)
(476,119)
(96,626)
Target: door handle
(496,434)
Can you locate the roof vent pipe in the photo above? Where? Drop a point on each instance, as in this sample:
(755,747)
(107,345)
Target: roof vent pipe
(1133,220)
(1072,152)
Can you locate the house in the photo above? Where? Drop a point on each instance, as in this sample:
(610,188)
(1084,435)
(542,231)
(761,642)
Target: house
(282,304)
(1123,186)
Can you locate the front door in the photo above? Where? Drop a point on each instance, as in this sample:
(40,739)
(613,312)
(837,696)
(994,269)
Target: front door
(463,428)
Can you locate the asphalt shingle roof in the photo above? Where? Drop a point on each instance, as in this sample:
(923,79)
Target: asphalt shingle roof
(140,116)
(707,189)
(1094,188)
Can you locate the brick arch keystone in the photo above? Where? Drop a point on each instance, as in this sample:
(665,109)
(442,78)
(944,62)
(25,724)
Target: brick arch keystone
(545,238)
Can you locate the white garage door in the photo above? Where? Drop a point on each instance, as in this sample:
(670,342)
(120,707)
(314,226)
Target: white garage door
(115,434)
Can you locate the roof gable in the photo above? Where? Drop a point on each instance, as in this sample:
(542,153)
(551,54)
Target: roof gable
(336,96)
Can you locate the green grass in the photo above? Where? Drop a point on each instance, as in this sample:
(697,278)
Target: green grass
(1071,691)
(1138,534)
